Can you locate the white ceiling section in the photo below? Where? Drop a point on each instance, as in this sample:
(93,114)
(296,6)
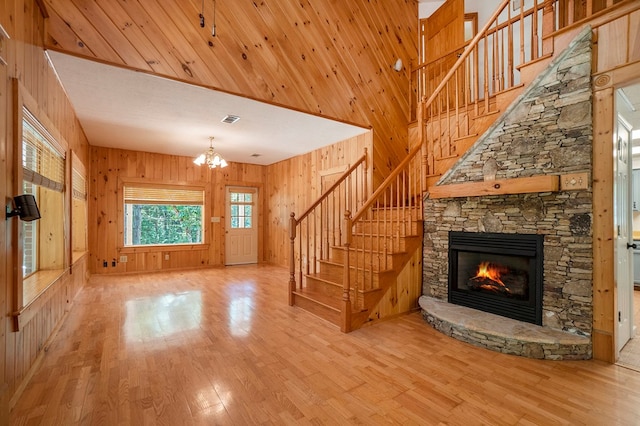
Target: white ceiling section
(120,108)
(427,7)
(628,106)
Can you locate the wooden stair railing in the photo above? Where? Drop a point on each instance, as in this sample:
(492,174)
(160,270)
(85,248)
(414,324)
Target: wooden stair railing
(393,212)
(320,226)
(445,116)
(459,108)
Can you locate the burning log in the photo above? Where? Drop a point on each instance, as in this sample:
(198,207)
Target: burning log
(487,284)
(498,279)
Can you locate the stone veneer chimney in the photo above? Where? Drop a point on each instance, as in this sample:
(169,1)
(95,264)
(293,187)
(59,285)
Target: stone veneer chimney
(548,130)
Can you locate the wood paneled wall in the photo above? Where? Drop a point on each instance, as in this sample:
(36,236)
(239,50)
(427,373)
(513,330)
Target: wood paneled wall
(617,64)
(293,185)
(26,61)
(110,166)
(331,58)
(285,187)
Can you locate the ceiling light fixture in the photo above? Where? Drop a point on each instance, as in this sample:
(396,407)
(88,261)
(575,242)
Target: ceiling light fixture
(210,157)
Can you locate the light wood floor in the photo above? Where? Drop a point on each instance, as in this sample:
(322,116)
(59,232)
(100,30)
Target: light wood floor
(630,354)
(222,346)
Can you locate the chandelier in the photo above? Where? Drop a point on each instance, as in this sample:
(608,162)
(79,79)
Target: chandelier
(210,157)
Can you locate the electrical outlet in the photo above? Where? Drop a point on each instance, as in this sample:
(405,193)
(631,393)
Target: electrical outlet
(166,256)
(105,264)
(113,263)
(123,259)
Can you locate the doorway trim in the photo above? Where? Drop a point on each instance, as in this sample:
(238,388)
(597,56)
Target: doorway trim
(605,305)
(247,231)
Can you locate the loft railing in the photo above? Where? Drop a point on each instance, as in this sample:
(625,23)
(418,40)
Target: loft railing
(488,65)
(321,226)
(571,12)
(518,33)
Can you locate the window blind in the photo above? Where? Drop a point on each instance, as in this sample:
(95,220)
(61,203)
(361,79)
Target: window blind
(42,163)
(79,185)
(162,195)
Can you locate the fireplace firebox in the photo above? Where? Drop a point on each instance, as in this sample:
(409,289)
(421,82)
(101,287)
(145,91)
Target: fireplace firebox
(497,273)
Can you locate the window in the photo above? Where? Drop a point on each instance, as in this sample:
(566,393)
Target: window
(163,215)
(78,208)
(241,209)
(43,164)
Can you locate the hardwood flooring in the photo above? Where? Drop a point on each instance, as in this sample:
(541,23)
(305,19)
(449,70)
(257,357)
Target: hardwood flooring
(221,346)
(630,354)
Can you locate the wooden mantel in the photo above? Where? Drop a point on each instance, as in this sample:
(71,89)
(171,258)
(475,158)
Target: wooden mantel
(525,185)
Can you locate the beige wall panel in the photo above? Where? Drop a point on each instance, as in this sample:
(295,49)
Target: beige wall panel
(612,43)
(634,36)
(444,30)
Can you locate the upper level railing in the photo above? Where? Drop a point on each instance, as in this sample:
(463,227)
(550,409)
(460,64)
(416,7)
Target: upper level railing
(485,66)
(515,36)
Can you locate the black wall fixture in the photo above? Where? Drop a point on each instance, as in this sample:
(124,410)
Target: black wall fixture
(25,207)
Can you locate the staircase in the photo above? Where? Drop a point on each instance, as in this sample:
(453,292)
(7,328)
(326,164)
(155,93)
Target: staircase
(378,251)
(350,247)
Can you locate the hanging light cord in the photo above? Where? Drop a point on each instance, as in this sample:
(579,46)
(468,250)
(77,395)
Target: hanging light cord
(213,29)
(202,15)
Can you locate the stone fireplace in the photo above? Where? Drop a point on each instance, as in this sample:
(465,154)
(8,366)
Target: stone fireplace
(547,131)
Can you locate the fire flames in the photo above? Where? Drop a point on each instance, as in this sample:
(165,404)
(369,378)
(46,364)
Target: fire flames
(491,272)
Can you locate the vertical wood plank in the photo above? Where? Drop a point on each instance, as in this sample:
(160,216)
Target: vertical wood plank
(604,288)
(612,43)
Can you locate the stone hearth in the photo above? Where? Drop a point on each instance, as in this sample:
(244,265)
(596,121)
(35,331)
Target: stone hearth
(503,334)
(547,131)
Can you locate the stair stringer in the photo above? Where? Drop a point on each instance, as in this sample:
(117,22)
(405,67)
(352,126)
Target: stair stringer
(398,292)
(542,67)
(502,101)
(403,293)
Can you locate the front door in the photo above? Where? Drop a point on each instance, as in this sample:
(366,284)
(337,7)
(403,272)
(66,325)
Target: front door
(622,217)
(241,242)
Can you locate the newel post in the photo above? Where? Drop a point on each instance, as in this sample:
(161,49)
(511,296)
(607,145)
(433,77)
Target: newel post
(366,175)
(422,140)
(345,325)
(292,257)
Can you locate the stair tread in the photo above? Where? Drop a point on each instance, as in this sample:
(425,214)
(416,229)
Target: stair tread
(332,303)
(367,234)
(327,277)
(390,253)
(358,268)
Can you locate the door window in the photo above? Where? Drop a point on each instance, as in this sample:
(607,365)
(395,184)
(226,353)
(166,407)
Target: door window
(241,210)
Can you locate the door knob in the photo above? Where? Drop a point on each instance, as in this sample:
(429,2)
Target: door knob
(633,246)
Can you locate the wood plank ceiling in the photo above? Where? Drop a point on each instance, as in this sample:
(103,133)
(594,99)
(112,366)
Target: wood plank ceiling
(330,58)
